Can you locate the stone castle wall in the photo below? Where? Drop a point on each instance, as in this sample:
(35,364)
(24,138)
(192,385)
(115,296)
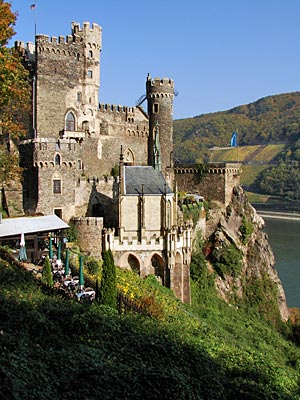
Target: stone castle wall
(67,78)
(90,234)
(216,182)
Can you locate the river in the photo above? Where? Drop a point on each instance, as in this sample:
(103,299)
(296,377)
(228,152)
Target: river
(284,237)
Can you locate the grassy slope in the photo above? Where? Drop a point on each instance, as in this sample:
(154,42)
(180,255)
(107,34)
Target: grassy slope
(264,153)
(56,348)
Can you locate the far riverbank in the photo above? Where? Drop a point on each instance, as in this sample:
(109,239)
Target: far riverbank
(279,214)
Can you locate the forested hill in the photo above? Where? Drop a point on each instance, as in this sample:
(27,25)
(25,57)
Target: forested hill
(271,119)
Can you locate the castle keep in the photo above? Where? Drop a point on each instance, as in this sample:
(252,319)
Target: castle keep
(107,167)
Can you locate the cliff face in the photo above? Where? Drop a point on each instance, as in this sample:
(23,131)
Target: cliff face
(239,252)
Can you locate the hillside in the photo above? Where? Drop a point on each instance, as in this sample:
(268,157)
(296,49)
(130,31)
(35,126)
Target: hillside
(269,120)
(52,347)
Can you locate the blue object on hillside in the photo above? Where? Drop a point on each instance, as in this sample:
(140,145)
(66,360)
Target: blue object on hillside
(233,141)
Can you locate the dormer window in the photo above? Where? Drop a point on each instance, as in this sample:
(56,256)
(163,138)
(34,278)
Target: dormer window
(70,122)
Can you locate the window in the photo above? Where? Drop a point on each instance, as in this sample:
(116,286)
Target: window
(90,54)
(57,145)
(70,122)
(79,96)
(57,159)
(79,164)
(90,74)
(155,108)
(56,186)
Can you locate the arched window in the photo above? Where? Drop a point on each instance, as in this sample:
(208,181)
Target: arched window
(128,157)
(57,159)
(70,122)
(90,54)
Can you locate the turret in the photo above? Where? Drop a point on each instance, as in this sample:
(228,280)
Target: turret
(160,94)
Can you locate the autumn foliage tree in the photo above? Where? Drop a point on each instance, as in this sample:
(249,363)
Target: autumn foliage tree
(14,95)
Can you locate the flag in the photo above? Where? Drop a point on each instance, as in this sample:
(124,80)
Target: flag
(233,141)
(32,7)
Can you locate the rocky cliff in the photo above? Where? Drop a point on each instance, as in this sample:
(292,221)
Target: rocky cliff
(238,251)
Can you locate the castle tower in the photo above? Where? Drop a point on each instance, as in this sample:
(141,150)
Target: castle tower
(160,94)
(67,80)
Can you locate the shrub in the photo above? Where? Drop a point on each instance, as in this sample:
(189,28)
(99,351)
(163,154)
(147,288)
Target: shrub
(227,260)
(246,230)
(93,266)
(72,232)
(115,171)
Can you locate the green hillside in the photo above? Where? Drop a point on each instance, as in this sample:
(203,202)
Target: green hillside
(272,119)
(55,348)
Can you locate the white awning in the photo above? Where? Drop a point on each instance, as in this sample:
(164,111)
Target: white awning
(16,226)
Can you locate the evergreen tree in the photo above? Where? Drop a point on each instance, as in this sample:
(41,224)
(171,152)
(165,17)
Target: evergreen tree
(108,288)
(47,277)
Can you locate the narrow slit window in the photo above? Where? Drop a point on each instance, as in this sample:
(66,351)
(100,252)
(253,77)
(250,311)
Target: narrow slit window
(56,186)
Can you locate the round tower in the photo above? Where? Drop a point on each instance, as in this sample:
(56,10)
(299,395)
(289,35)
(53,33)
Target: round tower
(160,94)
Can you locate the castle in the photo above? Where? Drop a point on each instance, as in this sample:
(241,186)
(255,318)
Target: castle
(109,168)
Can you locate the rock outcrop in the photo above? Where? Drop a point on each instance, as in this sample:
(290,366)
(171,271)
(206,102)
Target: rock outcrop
(239,229)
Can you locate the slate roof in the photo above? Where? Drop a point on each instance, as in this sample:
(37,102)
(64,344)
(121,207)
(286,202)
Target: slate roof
(16,226)
(153,181)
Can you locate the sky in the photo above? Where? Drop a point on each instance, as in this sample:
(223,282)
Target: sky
(220,53)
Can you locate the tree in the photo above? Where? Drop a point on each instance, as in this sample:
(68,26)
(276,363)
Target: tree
(47,277)
(14,97)
(108,288)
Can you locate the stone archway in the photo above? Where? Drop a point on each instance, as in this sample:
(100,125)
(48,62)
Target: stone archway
(131,261)
(134,263)
(158,266)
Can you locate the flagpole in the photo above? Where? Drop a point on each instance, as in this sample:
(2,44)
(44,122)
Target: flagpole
(33,7)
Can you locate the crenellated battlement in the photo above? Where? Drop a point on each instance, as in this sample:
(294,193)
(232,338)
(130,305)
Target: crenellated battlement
(86,28)
(27,51)
(115,108)
(212,168)
(158,87)
(89,37)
